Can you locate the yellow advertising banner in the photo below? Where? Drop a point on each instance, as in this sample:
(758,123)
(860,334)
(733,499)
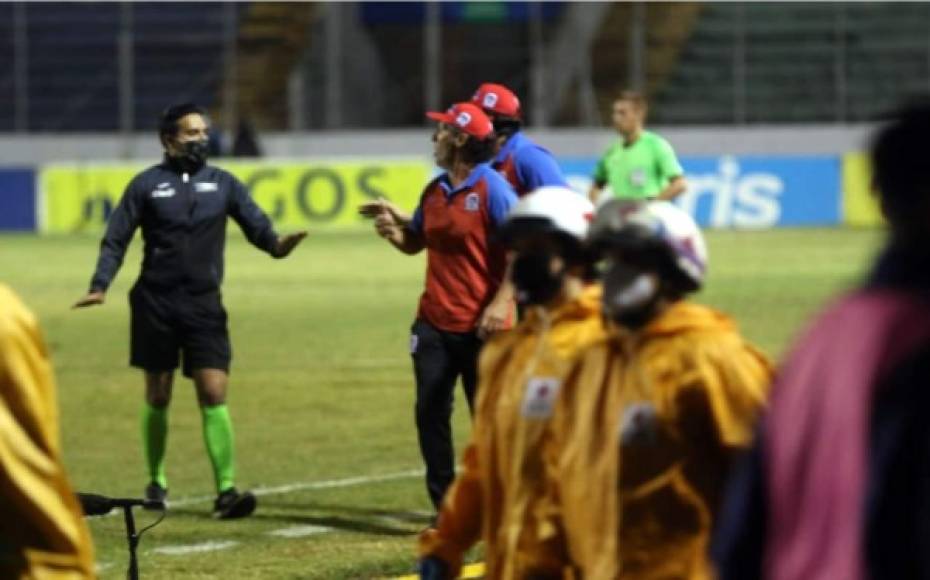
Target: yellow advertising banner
(860,205)
(80,198)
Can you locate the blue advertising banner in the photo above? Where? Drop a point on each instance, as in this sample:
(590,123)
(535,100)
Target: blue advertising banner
(17,199)
(749,191)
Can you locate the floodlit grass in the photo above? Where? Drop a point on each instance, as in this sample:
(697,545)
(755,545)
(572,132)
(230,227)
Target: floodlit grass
(322,390)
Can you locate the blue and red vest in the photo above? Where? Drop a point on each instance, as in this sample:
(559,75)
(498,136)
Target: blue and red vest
(465,266)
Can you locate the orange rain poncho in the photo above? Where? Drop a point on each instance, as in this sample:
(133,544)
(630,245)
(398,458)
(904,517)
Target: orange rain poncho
(494,497)
(42,530)
(641,443)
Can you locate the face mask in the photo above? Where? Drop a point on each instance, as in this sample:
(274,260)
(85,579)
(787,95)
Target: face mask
(193,154)
(630,296)
(533,279)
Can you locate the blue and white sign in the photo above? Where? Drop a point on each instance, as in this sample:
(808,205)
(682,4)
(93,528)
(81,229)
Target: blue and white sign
(17,199)
(749,191)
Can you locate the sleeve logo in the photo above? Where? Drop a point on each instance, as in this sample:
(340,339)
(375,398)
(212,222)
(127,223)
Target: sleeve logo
(472,202)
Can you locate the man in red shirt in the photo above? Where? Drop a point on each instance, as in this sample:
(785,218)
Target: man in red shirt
(464,300)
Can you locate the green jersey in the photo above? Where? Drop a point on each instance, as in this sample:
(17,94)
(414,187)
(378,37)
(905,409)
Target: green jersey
(639,171)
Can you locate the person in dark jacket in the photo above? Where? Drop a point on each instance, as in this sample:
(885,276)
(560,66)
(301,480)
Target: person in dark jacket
(838,485)
(182,204)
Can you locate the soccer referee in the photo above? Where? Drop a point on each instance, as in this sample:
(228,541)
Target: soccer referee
(176,311)
(641,165)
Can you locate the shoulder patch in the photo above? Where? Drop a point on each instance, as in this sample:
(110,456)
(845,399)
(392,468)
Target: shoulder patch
(472,201)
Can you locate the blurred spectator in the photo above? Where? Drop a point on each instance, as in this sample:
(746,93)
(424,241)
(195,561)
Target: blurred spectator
(520,372)
(42,531)
(246,142)
(838,485)
(649,419)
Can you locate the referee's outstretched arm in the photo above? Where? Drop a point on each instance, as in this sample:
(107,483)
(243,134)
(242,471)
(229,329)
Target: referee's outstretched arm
(120,228)
(257,227)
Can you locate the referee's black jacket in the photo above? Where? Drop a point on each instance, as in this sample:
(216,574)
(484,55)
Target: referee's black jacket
(183,219)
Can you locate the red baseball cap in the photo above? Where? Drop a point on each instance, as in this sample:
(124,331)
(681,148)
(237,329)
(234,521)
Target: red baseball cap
(466,117)
(497,99)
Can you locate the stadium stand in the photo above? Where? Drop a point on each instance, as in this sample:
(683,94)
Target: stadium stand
(73,72)
(178,56)
(799,62)
(668,28)
(704,63)
(270,40)
(7,76)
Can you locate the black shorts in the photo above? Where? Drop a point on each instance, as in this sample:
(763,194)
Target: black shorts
(167,324)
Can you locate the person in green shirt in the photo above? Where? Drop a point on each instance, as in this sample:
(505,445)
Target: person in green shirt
(641,165)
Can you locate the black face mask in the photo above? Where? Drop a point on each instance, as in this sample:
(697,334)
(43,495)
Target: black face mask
(193,155)
(534,282)
(630,296)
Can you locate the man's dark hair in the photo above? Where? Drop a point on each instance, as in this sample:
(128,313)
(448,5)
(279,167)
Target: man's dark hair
(505,126)
(168,123)
(637,98)
(476,151)
(899,161)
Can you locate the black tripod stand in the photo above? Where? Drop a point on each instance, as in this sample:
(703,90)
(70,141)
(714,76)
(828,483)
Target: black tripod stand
(98,505)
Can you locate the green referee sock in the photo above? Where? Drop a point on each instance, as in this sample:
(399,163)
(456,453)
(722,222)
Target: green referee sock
(218,435)
(154,440)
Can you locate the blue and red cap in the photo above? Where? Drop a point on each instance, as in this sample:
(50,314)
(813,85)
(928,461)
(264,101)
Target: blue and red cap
(497,99)
(466,117)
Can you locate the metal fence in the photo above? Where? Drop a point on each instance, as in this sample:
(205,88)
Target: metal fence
(110,67)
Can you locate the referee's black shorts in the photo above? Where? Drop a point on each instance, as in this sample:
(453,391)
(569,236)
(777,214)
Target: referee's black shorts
(168,324)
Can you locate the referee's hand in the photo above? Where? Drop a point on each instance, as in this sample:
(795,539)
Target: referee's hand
(93,298)
(287,243)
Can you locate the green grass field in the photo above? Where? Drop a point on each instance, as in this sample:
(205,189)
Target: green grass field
(322,392)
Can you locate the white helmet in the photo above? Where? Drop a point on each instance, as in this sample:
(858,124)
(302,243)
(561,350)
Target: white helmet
(637,224)
(550,209)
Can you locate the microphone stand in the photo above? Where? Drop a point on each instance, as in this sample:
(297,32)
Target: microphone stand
(98,505)
(133,572)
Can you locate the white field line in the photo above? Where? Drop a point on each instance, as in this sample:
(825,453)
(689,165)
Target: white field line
(307,485)
(299,531)
(181,550)
(290,532)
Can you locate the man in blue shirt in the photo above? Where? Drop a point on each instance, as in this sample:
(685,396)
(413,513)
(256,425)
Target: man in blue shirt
(523,163)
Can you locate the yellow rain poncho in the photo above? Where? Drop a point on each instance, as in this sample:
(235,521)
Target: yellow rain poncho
(641,443)
(494,496)
(42,531)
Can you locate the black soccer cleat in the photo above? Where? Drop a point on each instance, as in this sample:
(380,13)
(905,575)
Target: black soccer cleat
(156,497)
(231,504)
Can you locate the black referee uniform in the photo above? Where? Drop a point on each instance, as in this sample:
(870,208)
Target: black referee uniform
(175,303)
